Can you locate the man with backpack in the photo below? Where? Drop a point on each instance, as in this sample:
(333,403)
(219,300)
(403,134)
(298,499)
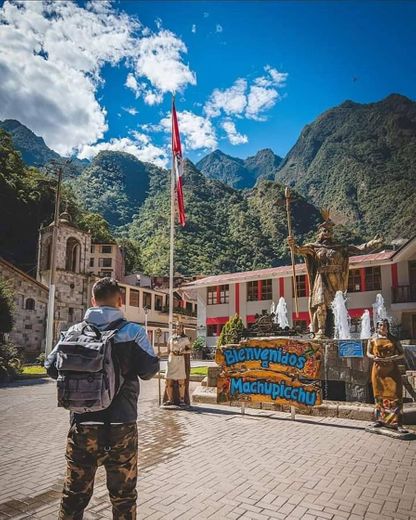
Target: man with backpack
(97,364)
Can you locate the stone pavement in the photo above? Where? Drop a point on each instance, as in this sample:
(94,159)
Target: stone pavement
(212,463)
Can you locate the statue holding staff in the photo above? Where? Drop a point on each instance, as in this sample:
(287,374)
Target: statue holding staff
(327,263)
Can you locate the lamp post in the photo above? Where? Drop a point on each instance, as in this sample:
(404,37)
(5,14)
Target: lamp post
(158,333)
(146,312)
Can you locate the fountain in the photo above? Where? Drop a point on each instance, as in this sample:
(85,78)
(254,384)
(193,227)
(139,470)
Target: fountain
(379,310)
(273,312)
(281,311)
(365,325)
(342,319)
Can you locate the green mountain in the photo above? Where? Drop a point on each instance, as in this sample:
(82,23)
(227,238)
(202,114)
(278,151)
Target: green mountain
(36,153)
(359,161)
(27,197)
(115,184)
(239,173)
(226,229)
(32,147)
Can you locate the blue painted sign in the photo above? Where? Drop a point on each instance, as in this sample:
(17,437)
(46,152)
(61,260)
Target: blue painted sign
(350,348)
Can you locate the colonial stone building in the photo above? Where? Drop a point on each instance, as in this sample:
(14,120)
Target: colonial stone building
(31,301)
(73,278)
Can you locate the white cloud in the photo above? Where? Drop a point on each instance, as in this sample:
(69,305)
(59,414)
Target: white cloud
(259,100)
(130,110)
(138,145)
(246,98)
(159,60)
(218,28)
(50,69)
(193,28)
(233,135)
(231,101)
(197,131)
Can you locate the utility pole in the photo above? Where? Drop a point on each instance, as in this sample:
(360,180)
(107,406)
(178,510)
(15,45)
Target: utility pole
(50,322)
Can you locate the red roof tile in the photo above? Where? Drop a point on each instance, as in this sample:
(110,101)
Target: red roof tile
(275,272)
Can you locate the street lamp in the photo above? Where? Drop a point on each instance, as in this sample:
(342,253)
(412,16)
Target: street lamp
(146,312)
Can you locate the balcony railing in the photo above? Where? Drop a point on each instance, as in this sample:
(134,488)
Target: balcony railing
(404,293)
(180,310)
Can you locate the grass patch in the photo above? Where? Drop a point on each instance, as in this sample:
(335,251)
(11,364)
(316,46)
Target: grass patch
(33,370)
(199,371)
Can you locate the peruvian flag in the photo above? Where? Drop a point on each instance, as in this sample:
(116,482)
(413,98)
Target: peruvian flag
(177,164)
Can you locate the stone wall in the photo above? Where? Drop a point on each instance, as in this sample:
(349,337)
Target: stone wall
(354,372)
(29,316)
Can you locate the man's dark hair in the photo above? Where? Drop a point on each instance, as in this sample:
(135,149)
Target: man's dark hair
(105,288)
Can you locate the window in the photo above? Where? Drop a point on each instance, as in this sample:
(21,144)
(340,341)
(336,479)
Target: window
(70,314)
(73,255)
(189,306)
(28,327)
(224,294)
(266,290)
(105,262)
(106,249)
(373,278)
(301,286)
(252,294)
(354,280)
(147,300)
(211,330)
(92,248)
(91,262)
(104,274)
(123,295)
(211,295)
(158,302)
(30,304)
(134,298)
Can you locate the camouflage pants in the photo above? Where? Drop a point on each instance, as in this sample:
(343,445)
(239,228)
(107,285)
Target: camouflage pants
(84,453)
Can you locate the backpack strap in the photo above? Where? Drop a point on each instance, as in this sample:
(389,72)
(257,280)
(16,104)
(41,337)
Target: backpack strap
(116,324)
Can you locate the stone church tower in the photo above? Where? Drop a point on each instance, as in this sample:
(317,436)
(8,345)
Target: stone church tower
(73,280)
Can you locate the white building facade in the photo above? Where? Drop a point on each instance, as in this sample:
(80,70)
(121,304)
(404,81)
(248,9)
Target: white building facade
(390,273)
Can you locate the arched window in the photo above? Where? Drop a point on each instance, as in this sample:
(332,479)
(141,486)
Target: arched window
(73,255)
(30,304)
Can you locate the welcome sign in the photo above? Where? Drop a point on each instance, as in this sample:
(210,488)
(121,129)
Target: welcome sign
(276,370)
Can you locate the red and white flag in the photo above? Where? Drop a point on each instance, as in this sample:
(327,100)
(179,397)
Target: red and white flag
(177,165)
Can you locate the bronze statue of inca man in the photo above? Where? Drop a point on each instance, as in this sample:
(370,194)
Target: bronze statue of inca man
(327,267)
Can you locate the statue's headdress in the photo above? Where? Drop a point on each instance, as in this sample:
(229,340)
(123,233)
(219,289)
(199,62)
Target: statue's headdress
(327,223)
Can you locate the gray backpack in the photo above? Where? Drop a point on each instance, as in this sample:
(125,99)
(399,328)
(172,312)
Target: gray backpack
(89,376)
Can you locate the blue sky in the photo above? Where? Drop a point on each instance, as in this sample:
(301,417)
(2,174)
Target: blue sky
(330,52)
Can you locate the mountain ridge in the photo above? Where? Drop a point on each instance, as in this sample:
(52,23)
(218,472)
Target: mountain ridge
(239,173)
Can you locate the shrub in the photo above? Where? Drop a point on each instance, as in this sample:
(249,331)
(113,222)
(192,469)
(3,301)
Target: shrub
(232,331)
(198,345)
(10,361)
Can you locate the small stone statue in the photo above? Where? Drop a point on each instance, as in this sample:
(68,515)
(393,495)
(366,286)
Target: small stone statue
(178,369)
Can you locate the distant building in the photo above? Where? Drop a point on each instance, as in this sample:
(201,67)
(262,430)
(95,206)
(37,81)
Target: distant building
(31,301)
(106,260)
(391,273)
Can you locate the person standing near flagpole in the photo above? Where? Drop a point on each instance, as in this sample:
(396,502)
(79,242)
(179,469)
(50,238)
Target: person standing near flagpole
(178,380)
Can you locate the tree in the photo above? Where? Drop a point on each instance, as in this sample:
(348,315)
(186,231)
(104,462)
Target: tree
(6,308)
(232,331)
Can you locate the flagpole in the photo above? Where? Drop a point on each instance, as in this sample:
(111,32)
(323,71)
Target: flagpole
(172,234)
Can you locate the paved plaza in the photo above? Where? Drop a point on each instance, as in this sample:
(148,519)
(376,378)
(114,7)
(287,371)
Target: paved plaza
(212,463)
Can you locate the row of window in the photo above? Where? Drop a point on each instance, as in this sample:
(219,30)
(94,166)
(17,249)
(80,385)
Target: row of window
(101,249)
(260,290)
(102,262)
(134,299)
